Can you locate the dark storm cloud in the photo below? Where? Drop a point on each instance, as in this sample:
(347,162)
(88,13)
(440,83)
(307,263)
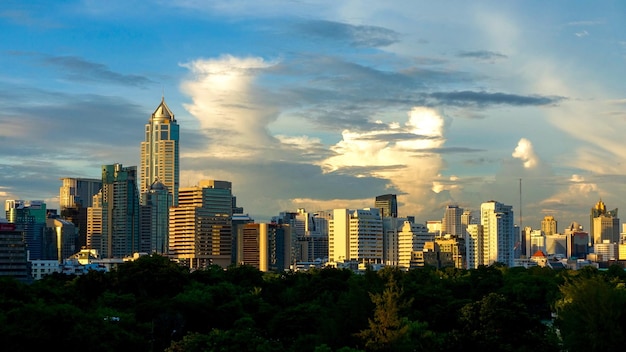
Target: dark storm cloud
(80,70)
(481,55)
(482,99)
(355,35)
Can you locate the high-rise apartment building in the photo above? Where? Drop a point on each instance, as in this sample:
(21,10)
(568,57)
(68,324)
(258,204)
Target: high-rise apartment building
(200,227)
(160,152)
(498,240)
(548,225)
(388,205)
(451,223)
(118,213)
(356,235)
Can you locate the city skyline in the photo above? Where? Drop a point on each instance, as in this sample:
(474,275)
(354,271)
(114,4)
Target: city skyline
(322,105)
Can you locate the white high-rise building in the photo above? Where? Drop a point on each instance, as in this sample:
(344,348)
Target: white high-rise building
(356,235)
(498,233)
(160,152)
(411,237)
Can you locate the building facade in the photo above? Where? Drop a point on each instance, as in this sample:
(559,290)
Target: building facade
(498,242)
(200,227)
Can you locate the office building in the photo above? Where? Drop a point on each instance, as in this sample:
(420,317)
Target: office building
(113,218)
(548,225)
(355,235)
(155,219)
(451,223)
(75,196)
(578,241)
(62,238)
(388,205)
(160,152)
(411,238)
(13,256)
(604,224)
(30,217)
(200,227)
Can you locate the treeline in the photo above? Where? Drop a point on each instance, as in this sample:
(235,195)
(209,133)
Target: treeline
(152,304)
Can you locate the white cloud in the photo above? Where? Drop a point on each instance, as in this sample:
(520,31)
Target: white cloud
(228,107)
(525,152)
(416,179)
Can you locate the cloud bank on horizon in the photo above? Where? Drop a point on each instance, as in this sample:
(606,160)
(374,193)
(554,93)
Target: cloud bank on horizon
(323,105)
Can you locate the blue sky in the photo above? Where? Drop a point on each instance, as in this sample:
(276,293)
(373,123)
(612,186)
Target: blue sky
(326,104)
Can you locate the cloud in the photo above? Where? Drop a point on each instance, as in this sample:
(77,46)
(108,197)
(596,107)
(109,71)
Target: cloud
(525,152)
(414,180)
(78,69)
(483,99)
(581,34)
(355,35)
(483,55)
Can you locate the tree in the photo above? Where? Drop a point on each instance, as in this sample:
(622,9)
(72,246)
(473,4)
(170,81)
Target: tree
(591,315)
(387,331)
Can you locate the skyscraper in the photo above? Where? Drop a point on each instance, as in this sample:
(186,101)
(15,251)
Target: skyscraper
(356,235)
(451,222)
(75,196)
(160,152)
(120,211)
(604,224)
(30,217)
(548,225)
(200,227)
(498,233)
(388,205)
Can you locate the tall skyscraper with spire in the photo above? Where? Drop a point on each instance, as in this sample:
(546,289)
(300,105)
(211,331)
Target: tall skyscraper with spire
(160,152)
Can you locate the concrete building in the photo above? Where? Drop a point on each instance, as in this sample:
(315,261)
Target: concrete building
(451,223)
(411,238)
(75,196)
(388,205)
(30,217)
(62,234)
(160,152)
(549,225)
(200,227)
(604,224)
(154,219)
(498,241)
(356,235)
(120,212)
(13,255)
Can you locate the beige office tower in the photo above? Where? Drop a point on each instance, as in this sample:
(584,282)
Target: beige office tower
(200,227)
(548,225)
(160,152)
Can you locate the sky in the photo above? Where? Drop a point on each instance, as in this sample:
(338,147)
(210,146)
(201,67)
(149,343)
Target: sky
(326,104)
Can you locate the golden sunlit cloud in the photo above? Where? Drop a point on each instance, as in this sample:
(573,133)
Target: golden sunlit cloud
(525,152)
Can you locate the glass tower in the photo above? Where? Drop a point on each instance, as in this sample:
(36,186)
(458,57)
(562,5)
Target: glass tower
(160,152)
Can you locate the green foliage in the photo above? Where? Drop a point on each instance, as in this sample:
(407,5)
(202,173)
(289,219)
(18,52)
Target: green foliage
(155,305)
(592,312)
